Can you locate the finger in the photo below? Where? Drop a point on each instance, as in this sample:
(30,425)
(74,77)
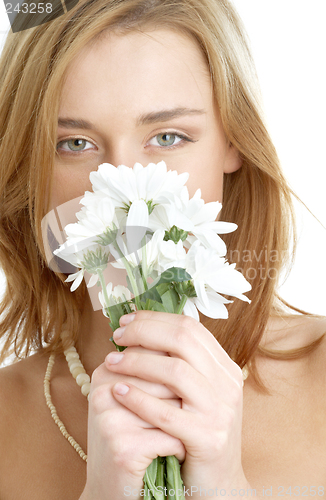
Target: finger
(184,338)
(98,407)
(181,378)
(126,438)
(156,443)
(174,320)
(182,424)
(102,400)
(103,379)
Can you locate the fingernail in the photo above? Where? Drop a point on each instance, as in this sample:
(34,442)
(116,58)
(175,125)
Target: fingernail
(127,318)
(121,389)
(117,334)
(114,357)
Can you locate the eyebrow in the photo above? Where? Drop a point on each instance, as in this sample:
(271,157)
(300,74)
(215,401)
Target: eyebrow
(144,119)
(167,114)
(71,123)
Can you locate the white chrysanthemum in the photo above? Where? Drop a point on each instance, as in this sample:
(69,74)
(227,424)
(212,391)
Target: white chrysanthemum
(76,278)
(75,257)
(211,277)
(93,220)
(166,216)
(137,214)
(118,295)
(135,256)
(125,185)
(203,217)
(171,255)
(124,205)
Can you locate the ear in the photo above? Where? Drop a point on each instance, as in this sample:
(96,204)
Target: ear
(233,160)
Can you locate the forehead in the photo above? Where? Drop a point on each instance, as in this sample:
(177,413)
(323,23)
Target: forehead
(137,71)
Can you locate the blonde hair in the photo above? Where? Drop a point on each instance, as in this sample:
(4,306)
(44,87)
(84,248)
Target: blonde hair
(256,197)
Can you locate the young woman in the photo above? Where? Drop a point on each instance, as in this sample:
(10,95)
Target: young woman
(143,81)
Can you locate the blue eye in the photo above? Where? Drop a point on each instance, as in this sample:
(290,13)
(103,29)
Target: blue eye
(168,139)
(74,145)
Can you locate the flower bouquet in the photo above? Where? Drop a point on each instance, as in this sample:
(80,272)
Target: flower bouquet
(142,220)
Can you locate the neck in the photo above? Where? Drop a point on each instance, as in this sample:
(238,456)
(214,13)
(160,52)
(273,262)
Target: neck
(94,337)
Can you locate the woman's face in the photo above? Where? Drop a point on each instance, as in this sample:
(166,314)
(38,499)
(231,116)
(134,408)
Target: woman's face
(140,97)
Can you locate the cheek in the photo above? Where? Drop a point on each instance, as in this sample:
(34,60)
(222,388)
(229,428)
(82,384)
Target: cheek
(210,180)
(206,169)
(68,184)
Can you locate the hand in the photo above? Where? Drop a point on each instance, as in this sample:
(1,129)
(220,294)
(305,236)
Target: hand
(203,376)
(119,447)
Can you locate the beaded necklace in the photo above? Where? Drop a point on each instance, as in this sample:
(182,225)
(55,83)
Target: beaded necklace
(83,380)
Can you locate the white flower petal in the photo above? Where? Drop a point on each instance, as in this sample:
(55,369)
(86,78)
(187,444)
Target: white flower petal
(201,292)
(93,280)
(214,310)
(220,227)
(78,278)
(208,212)
(211,240)
(228,281)
(73,276)
(138,214)
(190,309)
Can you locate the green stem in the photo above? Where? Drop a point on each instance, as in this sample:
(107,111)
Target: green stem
(173,478)
(144,264)
(99,273)
(150,480)
(160,475)
(182,304)
(130,276)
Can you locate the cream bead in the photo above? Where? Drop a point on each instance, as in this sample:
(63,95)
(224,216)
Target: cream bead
(74,361)
(71,355)
(70,349)
(76,364)
(85,388)
(83,378)
(53,411)
(77,371)
(245,372)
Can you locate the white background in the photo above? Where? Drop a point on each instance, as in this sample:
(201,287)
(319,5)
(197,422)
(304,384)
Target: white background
(288,40)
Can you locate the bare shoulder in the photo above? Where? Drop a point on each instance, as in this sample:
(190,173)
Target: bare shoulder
(18,382)
(36,458)
(286,427)
(19,374)
(21,420)
(293,332)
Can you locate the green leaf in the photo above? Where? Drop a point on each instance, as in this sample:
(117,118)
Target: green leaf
(175,234)
(152,305)
(160,475)
(173,478)
(174,274)
(146,492)
(162,288)
(170,300)
(115,313)
(152,294)
(185,288)
(163,284)
(119,348)
(150,480)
